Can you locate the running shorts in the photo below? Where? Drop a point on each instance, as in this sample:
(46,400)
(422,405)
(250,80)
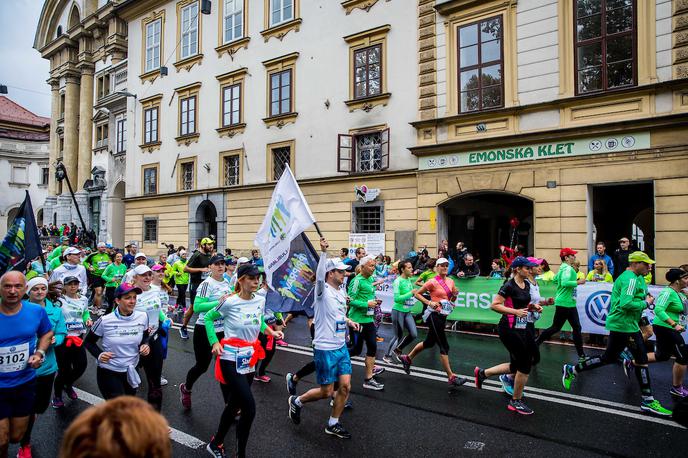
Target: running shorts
(17,401)
(330,364)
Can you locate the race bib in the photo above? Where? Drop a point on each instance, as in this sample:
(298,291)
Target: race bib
(521,322)
(14,358)
(370,311)
(683,319)
(446,307)
(102,265)
(75,326)
(243,357)
(340,328)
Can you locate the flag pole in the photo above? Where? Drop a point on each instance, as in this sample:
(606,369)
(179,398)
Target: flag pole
(317,228)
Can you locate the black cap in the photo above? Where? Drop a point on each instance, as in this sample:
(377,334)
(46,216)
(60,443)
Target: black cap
(217,258)
(674,274)
(70,279)
(247,269)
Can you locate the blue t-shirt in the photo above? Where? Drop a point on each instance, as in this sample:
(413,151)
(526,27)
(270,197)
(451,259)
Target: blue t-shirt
(18,335)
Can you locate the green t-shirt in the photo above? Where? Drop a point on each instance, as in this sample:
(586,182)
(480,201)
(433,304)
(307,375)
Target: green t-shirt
(113,275)
(54,264)
(403,295)
(56,253)
(627,303)
(361,290)
(99,261)
(180,277)
(427,275)
(566,283)
(594,276)
(669,304)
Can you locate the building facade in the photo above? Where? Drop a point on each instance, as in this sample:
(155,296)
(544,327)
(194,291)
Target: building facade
(23,161)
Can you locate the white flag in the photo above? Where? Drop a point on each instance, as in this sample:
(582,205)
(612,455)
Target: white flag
(287,217)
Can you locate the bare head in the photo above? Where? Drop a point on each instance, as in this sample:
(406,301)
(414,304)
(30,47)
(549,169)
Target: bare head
(12,288)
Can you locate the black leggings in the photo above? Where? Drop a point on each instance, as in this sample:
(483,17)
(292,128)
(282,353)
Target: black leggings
(152,366)
(112,384)
(368,335)
(71,363)
(110,298)
(237,396)
(203,353)
(263,364)
(436,335)
(44,388)
(561,316)
(181,295)
(670,343)
(309,368)
(523,351)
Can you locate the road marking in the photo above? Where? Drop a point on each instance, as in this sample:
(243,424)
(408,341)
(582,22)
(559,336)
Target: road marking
(179,437)
(429,375)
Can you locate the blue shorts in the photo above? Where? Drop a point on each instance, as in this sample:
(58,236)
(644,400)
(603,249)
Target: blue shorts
(330,364)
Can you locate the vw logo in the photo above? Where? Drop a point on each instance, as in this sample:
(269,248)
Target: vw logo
(597,307)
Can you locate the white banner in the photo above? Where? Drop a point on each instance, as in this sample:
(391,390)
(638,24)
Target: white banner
(374,244)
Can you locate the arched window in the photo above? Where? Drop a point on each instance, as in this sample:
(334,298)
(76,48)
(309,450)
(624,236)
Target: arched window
(58,33)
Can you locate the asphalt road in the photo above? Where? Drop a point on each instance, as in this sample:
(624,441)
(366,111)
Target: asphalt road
(415,415)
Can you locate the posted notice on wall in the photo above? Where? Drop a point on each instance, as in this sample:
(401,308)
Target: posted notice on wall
(374,244)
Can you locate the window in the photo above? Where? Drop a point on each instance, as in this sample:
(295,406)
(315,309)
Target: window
(279,155)
(233,20)
(605,49)
(19,174)
(280,93)
(280,90)
(231,168)
(121,133)
(45,175)
(186,179)
(153,45)
(101,135)
(187,116)
(150,180)
(367,71)
(368,219)
(103,86)
(150,125)
(281,11)
(481,65)
(366,151)
(231,105)
(189,30)
(150,230)
(62,105)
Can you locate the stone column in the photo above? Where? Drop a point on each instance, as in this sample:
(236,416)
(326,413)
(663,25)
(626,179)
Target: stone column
(85,127)
(54,138)
(71,132)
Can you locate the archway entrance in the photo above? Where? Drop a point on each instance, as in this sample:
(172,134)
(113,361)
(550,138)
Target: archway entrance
(39,217)
(484,221)
(204,222)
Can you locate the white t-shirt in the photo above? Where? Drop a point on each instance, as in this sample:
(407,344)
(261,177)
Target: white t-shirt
(122,336)
(212,290)
(73,313)
(69,270)
(149,303)
(329,309)
(243,320)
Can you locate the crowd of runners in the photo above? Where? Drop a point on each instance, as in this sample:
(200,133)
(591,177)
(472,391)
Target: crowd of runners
(117,307)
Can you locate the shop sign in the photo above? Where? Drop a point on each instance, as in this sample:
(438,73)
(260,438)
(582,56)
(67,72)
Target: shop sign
(366,194)
(539,151)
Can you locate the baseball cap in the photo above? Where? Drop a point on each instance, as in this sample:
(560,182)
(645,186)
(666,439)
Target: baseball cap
(125,288)
(567,252)
(156,267)
(336,263)
(64,238)
(441,261)
(534,260)
(102,245)
(71,250)
(242,260)
(70,279)
(247,269)
(217,258)
(207,241)
(522,261)
(42,281)
(108,245)
(639,256)
(140,254)
(141,269)
(671,276)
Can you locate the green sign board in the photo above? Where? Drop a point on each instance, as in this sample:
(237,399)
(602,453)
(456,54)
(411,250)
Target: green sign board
(538,151)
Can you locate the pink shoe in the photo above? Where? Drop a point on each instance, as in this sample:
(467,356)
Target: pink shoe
(262,378)
(24,451)
(281,343)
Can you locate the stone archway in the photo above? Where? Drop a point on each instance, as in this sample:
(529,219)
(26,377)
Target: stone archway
(207,216)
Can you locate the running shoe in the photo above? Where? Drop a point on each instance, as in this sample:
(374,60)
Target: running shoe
(395,357)
(216,450)
(338,430)
(185,335)
(291,384)
(373,384)
(628,367)
(507,384)
(388,359)
(281,343)
(654,407)
(582,358)
(455,380)
(163,381)
(377,370)
(294,410)
(347,405)
(679,391)
(262,378)
(567,376)
(185,396)
(24,451)
(626,354)
(57,403)
(71,394)
(406,362)
(520,407)
(479,377)
(379,339)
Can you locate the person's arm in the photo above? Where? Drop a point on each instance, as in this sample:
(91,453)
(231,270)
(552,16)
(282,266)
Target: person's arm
(660,309)
(608,278)
(91,341)
(320,274)
(107,274)
(627,299)
(571,280)
(610,265)
(83,286)
(209,319)
(203,304)
(60,331)
(499,307)
(86,315)
(589,277)
(474,271)
(88,262)
(400,297)
(193,270)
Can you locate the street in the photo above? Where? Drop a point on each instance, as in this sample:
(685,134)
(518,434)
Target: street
(415,415)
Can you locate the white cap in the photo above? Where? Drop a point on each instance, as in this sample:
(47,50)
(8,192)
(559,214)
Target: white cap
(242,260)
(71,250)
(101,245)
(140,254)
(141,269)
(36,281)
(336,263)
(441,261)
(366,259)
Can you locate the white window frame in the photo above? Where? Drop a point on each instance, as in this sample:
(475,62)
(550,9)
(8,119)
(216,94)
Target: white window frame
(280,6)
(231,115)
(189,24)
(150,125)
(153,44)
(233,21)
(187,116)
(121,135)
(20,169)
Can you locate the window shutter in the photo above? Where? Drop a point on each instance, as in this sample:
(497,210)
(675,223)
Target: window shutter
(345,153)
(384,148)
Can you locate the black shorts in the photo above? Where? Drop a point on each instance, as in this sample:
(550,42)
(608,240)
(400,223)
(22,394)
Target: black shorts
(44,390)
(520,343)
(670,343)
(18,401)
(94,281)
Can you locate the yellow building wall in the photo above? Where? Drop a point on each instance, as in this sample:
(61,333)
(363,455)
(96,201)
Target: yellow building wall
(173,222)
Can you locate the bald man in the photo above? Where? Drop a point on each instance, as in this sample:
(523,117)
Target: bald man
(25,335)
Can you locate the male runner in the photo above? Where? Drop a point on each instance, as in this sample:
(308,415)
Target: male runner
(95,264)
(198,268)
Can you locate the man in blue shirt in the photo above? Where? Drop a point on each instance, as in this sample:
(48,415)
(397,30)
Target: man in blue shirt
(25,336)
(601,249)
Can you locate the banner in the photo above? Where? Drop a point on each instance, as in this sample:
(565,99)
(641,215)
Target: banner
(287,217)
(22,244)
(374,244)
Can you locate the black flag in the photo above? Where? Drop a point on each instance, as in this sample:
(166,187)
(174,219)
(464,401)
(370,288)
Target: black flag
(22,243)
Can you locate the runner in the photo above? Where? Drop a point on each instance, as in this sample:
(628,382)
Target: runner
(125,337)
(140,259)
(442,294)
(112,276)
(71,268)
(629,299)
(181,280)
(37,290)
(514,302)
(25,336)
(164,291)
(95,264)
(668,324)
(361,311)
(402,319)
(237,354)
(565,302)
(71,357)
(332,361)
(149,303)
(211,293)
(198,268)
